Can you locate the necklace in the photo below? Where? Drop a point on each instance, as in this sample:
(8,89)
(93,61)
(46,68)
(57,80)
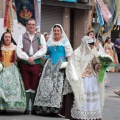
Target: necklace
(57,39)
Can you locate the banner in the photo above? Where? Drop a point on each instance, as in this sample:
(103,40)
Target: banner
(25,10)
(99,15)
(117,18)
(6,13)
(90,20)
(104,10)
(107,27)
(13,6)
(68,0)
(37,4)
(117,2)
(8,20)
(11,17)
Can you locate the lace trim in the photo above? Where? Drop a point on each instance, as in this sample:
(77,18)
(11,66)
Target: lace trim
(13,47)
(86,115)
(66,88)
(62,42)
(95,93)
(92,100)
(92,96)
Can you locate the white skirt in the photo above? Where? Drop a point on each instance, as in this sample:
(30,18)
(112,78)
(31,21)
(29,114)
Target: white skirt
(91,108)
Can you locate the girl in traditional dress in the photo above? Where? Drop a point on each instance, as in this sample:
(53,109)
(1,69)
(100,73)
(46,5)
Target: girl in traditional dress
(12,93)
(99,43)
(110,50)
(49,93)
(87,98)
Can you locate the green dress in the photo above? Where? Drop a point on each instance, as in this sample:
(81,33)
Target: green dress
(12,92)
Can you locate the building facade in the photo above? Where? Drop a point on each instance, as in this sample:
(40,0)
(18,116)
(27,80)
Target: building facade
(74,18)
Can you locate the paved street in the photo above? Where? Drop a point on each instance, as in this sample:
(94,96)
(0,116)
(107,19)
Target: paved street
(112,102)
(111,109)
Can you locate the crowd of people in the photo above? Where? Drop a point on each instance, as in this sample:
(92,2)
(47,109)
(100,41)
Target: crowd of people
(72,92)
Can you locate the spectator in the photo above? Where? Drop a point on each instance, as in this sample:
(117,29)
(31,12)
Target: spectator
(117,47)
(110,50)
(46,35)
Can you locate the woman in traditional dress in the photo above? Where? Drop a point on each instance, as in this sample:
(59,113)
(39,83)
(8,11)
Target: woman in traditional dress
(88,93)
(49,93)
(110,50)
(12,93)
(99,43)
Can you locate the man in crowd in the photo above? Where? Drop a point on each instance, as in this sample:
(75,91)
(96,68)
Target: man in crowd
(117,47)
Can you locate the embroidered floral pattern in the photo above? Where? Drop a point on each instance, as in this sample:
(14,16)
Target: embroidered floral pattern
(11,89)
(92,99)
(89,71)
(46,87)
(91,107)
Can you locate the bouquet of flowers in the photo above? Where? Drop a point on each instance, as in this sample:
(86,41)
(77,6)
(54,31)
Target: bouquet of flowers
(105,60)
(1,66)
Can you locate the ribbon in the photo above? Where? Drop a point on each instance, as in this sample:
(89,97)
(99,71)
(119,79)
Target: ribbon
(107,27)
(104,10)
(100,17)
(6,12)
(101,74)
(8,21)
(38,13)
(118,11)
(102,71)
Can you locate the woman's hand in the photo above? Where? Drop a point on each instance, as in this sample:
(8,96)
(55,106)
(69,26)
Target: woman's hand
(98,66)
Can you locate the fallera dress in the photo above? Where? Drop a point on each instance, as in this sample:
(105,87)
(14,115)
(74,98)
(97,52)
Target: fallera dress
(12,93)
(49,93)
(91,108)
(110,50)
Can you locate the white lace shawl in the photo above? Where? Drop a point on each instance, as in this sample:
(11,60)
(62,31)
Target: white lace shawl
(101,85)
(76,66)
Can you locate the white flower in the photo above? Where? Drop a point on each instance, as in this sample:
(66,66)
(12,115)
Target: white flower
(1,67)
(63,65)
(105,55)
